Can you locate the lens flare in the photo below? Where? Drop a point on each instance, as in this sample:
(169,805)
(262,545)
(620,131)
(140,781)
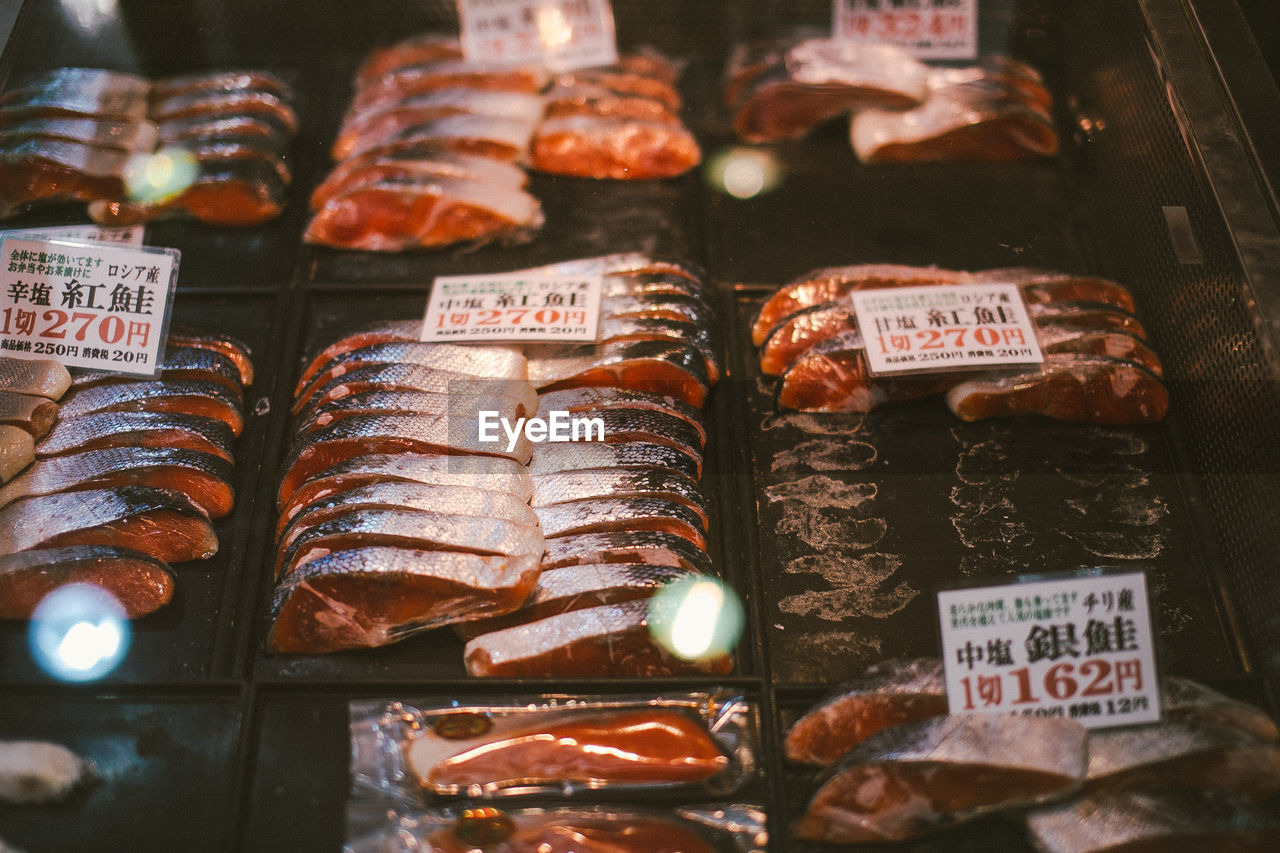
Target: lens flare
(157,177)
(743,172)
(79,632)
(696,618)
(553,28)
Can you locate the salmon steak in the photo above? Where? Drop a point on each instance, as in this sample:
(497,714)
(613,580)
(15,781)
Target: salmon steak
(142,584)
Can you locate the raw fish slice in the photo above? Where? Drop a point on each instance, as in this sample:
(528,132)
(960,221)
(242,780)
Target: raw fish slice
(179,396)
(184,105)
(236,191)
(603,102)
(599,515)
(389,216)
(365,434)
(454,500)
(592,399)
(1086,316)
(380,332)
(138,429)
(462,404)
(490,472)
(33,414)
(933,773)
(164,524)
(202,477)
(489,362)
(833,376)
(268,133)
(1167,821)
(39,772)
(640,328)
(416,50)
(215,82)
(122,134)
(590,747)
(575,587)
(1080,388)
(996,73)
(632,284)
(1117,345)
(565,486)
(17,451)
(686,309)
(42,377)
(498,137)
(645,426)
(415,166)
(791,339)
(626,546)
(1049,288)
(372,596)
(406,81)
(887,695)
(387,121)
(568,456)
(577,830)
(662,367)
(415,377)
(140,583)
(1184,699)
(624,81)
(234,349)
(212,153)
(593,146)
(626,264)
(405,528)
(178,363)
(85,91)
(612,640)
(1183,753)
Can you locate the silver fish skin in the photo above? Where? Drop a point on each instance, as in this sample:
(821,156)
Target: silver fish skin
(500,132)
(565,486)
(1164,821)
(568,456)
(599,514)
(626,546)
(940,771)
(463,404)
(620,285)
(642,328)
(42,377)
(593,397)
(187,396)
(485,362)
(625,426)
(625,263)
(130,429)
(689,309)
(29,412)
(232,347)
(380,331)
(1184,699)
(17,450)
(412,529)
(667,367)
(411,377)
(181,362)
(454,500)
(78,471)
(376,595)
(88,91)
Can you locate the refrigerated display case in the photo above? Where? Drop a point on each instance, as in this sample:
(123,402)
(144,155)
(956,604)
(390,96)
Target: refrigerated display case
(1165,183)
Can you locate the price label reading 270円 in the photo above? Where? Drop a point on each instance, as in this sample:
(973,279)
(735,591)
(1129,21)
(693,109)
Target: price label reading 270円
(1078,647)
(526,307)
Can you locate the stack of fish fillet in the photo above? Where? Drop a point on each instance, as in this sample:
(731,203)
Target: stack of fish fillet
(904,110)
(897,766)
(1098,367)
(127,479)
(122,143)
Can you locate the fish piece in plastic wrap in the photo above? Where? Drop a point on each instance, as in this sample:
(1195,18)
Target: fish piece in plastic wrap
(221,80)
(406,376)
(485,362)
(888,694)
(17,451)
(141,583)
(664,367)
(1184,699)
(407,80)
(621,148)
(178,396)
(265,133)
(593,399)
(596,100)
(237,191)
(588,483)
(123,134)
(138,429)
(690,743)
(834,376)
(164,524)
(575,455)
(497,137)
(419,163)
(77,91)
(28,412)
(36,170)
(415,50)
(181,105)
(600,515)
(373,595)
(626,78)
(626,546)
(457,404)
(202,477)
(643,426)
(178,363)
(938,772)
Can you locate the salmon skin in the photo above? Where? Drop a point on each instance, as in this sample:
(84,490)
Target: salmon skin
(177,396)
(221,81)
(202,477)
(621,148)
(593,399)
(415,50)
(413,377)
(34,170)
(643,426)
(27,411)
(592,748)
(940,771)
(378,332)
(233,348)
(1184,699)
(263,133)
(625,79)
(662,367)
(236,191)
(17,450)
(138,429)
(590,483)
(596,515)
(142,584)
(91,90)
(411,529)
(409,164)
(642,328)
(122,134)
(628,284)
(479,361)
(629,546)
(405,81)
(565,456)
(457,404)
(183,105)
(164,524)
(887,695)
(500,137)
(375,595)
(41,377)
(611,640)
(178,363)
(834,376)
(560,830)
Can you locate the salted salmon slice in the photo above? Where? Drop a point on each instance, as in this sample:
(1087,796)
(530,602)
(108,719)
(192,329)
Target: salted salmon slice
(616,147)
(142,584)
(178,396)
(138,429)
(29,412)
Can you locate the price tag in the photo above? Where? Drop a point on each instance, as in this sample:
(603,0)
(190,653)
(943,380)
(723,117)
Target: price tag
(927,29)
(945,327)
(560,34)
(529,306)
(93,306)
(127,236)
(1078,647)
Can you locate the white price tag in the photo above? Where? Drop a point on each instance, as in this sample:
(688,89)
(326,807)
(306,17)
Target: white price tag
(927,29)
(94,306)
(945,327)
(1078,647)
(130,235)
(530,306)
(560,34)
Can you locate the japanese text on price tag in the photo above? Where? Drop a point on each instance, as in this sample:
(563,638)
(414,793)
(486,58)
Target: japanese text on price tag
(513,307)
(1078,647)
(560,34)
(130,235)
(927,29)
(945,327)
(94,306)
